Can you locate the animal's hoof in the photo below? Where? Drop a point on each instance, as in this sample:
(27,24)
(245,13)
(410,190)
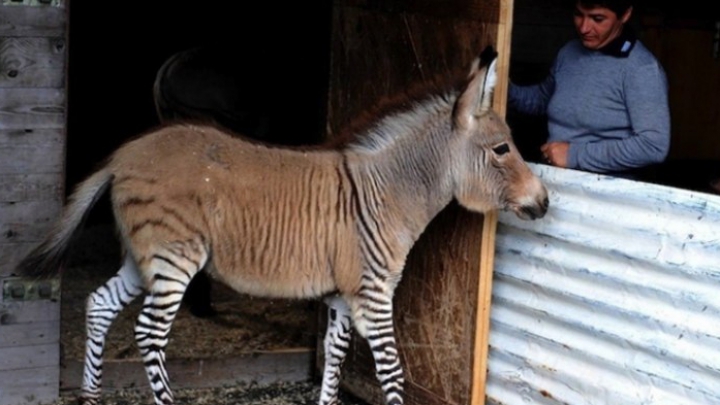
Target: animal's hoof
(87,400)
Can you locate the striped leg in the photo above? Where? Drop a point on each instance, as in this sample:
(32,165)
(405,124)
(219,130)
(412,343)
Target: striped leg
(336,344)
(172,272)
(102,307)
(381,339)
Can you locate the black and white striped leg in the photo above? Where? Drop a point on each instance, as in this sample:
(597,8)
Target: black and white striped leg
(336,345)
(102,307)
(381,339)
(171,275)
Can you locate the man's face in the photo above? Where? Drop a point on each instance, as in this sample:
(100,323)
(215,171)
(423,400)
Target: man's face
(597,26)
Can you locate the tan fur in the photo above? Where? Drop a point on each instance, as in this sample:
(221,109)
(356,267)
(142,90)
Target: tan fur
(270,217)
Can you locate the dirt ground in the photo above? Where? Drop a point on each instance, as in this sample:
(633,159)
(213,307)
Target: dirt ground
(243,325)
(304,393)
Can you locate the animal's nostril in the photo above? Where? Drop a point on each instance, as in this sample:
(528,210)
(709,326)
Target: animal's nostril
(530,212)
(546,202)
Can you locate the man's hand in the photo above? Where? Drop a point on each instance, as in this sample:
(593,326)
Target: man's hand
(555,153)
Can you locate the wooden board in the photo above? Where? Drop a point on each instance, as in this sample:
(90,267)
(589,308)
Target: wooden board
(29,151)
(19,21)
(28,312)
(30,187)
(29,351)
(486,264)
(26,221)
(32,62)
(31,334)
(32,109)
(32,152)
(11,254)
(259,368)
(29,356)
(29,386)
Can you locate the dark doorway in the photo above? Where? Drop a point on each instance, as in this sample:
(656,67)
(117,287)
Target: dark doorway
(116,50)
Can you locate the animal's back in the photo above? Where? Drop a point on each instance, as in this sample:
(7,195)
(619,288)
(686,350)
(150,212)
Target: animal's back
(272,221)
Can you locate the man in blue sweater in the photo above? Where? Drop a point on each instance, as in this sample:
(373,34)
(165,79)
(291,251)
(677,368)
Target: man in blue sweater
(606,96)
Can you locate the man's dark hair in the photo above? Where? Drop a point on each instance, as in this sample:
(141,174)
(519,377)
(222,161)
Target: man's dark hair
(619,7)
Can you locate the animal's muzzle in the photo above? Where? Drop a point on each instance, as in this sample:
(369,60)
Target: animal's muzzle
(536,211)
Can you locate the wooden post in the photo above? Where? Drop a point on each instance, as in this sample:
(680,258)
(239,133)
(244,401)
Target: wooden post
(487,245)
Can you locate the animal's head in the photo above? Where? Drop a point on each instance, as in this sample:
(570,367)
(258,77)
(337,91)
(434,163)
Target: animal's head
(491,173)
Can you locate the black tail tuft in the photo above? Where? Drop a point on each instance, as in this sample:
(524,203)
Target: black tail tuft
(45,261)
(42,263)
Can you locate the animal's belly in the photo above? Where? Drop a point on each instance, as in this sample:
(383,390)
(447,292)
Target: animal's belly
(280,283)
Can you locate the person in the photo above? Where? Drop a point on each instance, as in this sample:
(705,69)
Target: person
(605,97)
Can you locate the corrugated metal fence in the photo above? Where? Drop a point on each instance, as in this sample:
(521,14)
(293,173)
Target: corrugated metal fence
(613,298)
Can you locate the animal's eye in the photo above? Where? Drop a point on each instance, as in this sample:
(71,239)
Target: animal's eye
(501,149)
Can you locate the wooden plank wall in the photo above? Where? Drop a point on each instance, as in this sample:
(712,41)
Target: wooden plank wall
(32,148)
(379,49)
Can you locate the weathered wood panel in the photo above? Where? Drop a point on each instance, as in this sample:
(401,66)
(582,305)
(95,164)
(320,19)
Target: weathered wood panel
(18,21)
(11,253)
(442,303)
(32,62)
(31,187)
(32,108)
(29,386)
(26,221)
(31,334)
(29,356)
(29,370)
(27,312)
(32,151)
(22,225)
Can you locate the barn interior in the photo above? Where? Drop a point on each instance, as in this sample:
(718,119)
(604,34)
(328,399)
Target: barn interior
(114,55)
(113,62)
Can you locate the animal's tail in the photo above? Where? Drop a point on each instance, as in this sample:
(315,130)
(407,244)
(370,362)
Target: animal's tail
(46,260)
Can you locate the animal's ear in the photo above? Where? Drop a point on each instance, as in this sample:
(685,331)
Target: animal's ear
(476,99)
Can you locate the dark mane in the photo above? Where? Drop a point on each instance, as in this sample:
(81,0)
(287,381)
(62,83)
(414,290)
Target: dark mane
(436,86)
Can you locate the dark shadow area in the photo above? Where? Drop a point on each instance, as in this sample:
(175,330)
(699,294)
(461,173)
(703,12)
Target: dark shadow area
(276,55)
(281,52)
(529,132)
